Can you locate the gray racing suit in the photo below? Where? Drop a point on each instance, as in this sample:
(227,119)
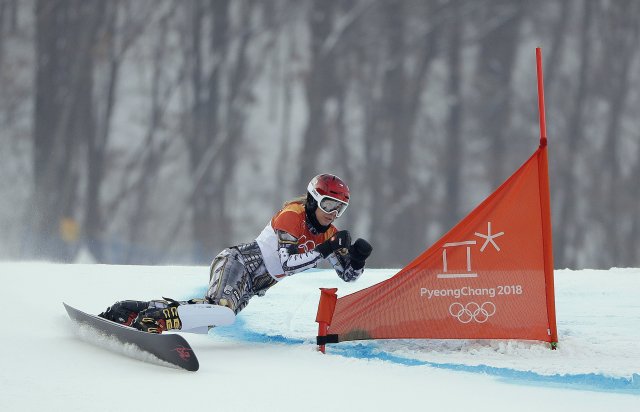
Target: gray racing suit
(239,272)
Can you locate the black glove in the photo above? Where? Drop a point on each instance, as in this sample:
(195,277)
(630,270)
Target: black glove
(340,240)
(359,252)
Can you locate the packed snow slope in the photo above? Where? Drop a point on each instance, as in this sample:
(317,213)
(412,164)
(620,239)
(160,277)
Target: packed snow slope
(267,360)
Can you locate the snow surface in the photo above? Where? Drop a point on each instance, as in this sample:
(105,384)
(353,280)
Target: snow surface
(267,361)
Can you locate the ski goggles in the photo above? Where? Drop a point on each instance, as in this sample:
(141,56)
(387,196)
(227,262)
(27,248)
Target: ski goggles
(329,205)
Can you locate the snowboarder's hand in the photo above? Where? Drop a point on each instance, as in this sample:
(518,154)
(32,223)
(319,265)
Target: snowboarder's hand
(340,240)
(359,252)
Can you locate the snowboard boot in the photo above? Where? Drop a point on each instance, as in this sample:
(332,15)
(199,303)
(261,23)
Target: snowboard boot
(124,312)
(160,316)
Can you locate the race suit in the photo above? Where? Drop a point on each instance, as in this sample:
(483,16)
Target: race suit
(284,247)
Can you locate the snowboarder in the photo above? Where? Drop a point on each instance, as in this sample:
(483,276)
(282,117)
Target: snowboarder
(297,238)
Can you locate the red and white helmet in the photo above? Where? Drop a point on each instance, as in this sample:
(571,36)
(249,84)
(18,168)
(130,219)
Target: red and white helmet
(330,192)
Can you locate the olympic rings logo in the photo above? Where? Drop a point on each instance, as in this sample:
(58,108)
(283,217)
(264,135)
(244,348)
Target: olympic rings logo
(472,311)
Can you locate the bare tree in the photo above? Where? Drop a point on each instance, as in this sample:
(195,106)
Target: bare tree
(621,30)
(322,87)
(496,59)
(560,31)
(152,155)
(391,89)
(399,63)
(453,149)
(64,113)
(566,230)
(221,75)
(122,27)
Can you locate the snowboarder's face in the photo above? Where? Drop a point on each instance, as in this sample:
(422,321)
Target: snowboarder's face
(324,218)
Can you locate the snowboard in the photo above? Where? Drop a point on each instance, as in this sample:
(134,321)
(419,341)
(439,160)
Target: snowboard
(170,347)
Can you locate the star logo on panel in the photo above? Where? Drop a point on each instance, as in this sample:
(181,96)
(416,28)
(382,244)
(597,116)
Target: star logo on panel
(489,238)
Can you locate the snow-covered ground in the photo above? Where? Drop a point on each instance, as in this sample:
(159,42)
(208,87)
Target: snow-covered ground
(267,361)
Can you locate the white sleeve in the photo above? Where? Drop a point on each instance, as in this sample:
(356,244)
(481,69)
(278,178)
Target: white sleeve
(293,262)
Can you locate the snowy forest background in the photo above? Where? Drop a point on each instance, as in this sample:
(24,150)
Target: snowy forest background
(161,131)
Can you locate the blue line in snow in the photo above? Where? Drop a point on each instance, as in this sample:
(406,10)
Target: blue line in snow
(583,381)
(238,331)
(369,351)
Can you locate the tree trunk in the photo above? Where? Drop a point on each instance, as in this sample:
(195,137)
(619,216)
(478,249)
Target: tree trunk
(566,224)
(64,117)
(454,150)
(495,68)
(622,35)
(321,85)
